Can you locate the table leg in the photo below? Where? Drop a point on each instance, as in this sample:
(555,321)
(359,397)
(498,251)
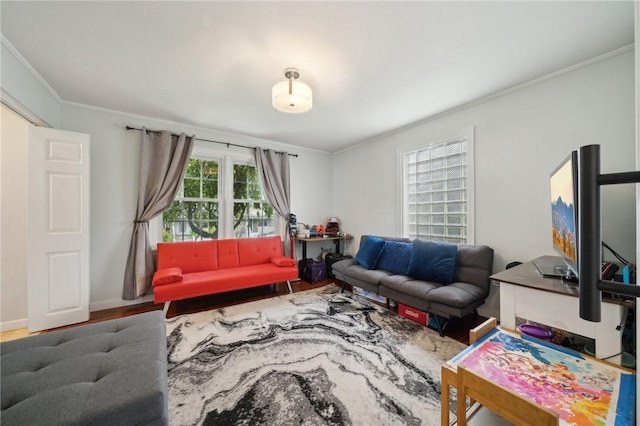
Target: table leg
(448,378)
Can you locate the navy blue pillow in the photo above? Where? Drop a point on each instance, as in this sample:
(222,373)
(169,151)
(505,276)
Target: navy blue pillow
(369,252)
(395,257)
(432,261)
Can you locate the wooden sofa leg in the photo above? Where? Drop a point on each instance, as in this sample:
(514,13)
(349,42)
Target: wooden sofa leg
(289,284)
(166,308)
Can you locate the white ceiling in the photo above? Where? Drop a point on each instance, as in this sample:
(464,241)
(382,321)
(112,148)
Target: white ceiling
(373,66)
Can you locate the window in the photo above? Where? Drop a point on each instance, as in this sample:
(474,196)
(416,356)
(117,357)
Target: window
(252,217)
(220,197)
(193,215)
(437,184)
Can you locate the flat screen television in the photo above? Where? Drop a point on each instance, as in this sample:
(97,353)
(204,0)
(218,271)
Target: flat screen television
(564,212)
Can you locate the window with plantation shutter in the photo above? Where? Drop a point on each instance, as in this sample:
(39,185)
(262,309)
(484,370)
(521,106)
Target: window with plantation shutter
(438,190)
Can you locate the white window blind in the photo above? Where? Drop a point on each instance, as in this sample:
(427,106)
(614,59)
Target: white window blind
(438,191)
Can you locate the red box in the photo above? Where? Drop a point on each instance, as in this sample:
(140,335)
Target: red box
(413,314)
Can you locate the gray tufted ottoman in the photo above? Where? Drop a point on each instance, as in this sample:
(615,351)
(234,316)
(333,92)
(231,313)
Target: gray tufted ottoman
(107,373)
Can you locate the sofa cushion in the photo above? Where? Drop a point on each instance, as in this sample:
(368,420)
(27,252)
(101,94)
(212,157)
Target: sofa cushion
(343,264)
(283,261)
(408,285)
(431,261)
(257,251)
(457,294)
(167,276)
(395,257)
(223,280)
(369,252)
(371,276)
(190,256)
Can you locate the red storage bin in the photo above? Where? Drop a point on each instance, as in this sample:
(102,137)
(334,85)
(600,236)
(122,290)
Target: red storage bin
(413,314)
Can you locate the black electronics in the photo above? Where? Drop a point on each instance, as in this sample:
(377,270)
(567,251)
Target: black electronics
(608,270)
(564,213)
(293,224)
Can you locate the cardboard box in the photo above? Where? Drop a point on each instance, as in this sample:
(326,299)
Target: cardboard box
(413,314)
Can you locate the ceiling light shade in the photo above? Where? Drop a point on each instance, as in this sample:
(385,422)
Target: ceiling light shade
(292,96)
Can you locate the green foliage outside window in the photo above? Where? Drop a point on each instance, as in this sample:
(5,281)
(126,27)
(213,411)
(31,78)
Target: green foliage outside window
(194,214)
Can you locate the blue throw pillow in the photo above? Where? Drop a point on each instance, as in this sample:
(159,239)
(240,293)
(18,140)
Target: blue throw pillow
(369,252)
(395,257)
(432,261)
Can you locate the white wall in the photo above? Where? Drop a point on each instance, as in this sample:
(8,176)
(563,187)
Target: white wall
(520,137)
(13,179)
(115,157)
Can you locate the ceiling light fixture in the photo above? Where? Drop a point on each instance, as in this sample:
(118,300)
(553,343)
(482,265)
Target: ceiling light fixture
(292,96)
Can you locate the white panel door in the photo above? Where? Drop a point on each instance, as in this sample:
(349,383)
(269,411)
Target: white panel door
(58,235)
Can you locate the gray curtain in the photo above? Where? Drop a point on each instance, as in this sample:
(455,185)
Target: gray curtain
(273,169)
(163,163)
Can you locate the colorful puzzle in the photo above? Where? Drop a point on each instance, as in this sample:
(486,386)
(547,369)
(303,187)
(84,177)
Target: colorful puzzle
(582,391)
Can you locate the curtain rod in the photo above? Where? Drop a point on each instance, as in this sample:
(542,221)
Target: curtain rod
(228,144)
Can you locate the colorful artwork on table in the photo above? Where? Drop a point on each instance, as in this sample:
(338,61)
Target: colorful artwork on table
(582,391)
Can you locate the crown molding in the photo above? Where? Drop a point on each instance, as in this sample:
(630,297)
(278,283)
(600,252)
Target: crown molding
(194,128)
(6,43)
(484,99)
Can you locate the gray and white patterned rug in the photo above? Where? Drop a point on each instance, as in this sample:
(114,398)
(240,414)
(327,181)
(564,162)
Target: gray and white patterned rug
(317,357)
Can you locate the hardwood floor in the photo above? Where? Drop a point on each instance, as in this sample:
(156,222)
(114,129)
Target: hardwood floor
(456,329)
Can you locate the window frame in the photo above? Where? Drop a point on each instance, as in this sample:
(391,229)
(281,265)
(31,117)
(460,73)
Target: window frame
(466,133)
(203,150)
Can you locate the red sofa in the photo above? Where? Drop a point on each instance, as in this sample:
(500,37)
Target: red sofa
(199,268)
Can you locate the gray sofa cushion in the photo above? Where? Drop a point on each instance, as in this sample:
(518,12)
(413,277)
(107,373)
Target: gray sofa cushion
(409,286)
(339,266)
(474,264)
(372,276)
(457,294)
(112,372)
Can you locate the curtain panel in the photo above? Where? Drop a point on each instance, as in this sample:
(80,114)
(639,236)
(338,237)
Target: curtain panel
(163,164)
(273,169)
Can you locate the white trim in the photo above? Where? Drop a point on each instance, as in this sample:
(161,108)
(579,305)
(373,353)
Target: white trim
(117,303)
(29,68)
(14,324)
(234,137)
(14,105)
(495,95)
(471,186)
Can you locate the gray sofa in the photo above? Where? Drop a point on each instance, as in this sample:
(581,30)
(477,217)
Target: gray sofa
(467,291)
(107,373)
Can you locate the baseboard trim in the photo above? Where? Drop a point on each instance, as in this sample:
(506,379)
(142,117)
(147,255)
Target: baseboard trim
(117,303)
(13,325)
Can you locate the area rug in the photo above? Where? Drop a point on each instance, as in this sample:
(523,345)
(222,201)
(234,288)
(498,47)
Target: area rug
(318,357)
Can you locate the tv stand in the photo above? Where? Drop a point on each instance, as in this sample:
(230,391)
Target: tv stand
(526,294)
